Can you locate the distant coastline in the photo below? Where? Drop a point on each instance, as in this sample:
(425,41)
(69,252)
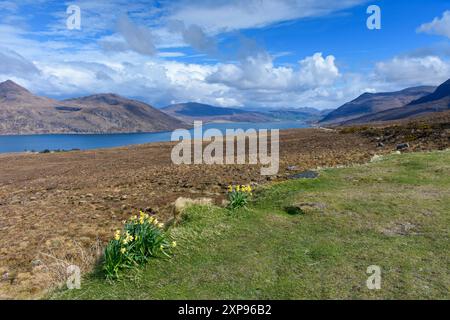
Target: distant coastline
(27,143)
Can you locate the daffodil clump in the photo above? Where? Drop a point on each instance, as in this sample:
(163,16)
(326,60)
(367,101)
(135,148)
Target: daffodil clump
(239,196)
(143,237)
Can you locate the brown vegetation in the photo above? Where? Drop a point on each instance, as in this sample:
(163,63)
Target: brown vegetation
(50,202)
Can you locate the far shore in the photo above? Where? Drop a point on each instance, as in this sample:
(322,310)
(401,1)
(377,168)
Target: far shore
(38,150)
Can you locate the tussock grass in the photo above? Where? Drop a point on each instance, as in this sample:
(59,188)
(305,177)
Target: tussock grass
(394,213)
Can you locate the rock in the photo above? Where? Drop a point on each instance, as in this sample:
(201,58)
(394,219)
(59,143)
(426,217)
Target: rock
(400,229)
(12,276)
(182,203)
(124,197)
(380,145)
(5,276)
(4,273)
(225,203)
(207,193)
(150,211)
(402,146)
(376,158)
(292,168)
(309,174)
(36,262)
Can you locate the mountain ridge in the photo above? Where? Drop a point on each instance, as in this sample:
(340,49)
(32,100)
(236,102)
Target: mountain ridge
(437,101)
(22,112)
(190,111)
(372,103)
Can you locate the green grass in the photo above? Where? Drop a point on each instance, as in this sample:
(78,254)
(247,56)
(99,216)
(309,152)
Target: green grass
(263,252)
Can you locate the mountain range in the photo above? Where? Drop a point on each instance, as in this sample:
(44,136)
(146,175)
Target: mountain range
(404,104)
(188,112)
(22,112)
(191,111)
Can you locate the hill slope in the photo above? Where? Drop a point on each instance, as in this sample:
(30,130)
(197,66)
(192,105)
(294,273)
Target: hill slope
(21,112)
(190,111)
(309,115)
(371,103)
(437,101)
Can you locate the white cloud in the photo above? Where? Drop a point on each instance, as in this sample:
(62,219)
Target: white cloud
(254,72)
(410,71)
(64,66)
(217,16)
(316,71)
(257,82)
(13,63)
(170,54)
(439,26)
(258,72)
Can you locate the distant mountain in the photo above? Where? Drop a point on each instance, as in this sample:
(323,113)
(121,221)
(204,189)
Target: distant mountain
(188,112)
(21,112)
(299,114)
(371,103)
(437,101)
(191,111)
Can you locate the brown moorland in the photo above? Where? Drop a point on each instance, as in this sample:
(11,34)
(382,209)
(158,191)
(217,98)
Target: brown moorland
(60,208)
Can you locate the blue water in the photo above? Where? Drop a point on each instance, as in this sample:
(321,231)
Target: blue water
(21,143)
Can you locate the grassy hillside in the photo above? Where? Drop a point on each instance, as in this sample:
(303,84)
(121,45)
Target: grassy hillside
(310,239)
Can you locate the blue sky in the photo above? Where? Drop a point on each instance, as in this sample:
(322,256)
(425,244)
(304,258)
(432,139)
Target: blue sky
(254,53)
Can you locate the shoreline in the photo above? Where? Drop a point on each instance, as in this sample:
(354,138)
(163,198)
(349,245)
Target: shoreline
(58,150)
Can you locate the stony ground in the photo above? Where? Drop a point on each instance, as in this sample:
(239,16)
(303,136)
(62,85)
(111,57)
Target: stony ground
(60,208)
